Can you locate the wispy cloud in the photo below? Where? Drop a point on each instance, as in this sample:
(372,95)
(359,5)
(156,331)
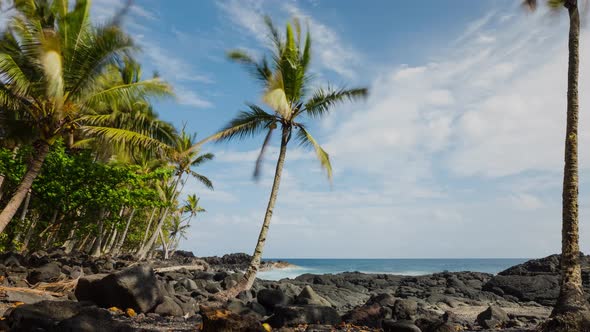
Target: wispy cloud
(180,72)
(188,97)
(443,151)
(332,52)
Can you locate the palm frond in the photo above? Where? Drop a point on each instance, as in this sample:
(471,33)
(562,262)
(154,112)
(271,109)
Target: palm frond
(246,124)
(259,160)
(322,100)
(274,34)
(203,179)
(105,46)
(123,136)
(202,159)
(306,140)
(13,76)
(260,71)
(125,95)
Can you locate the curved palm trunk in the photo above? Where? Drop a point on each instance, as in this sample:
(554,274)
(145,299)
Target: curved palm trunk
(571,296)
(41,151)
(164,244)
(143,252)
(147,229)
(70,242)
(23,217)
(124,235)
(250,275)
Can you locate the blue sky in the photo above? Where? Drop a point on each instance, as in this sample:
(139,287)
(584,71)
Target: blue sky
(457,152)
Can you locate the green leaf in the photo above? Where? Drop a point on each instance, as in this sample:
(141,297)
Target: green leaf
(306,140)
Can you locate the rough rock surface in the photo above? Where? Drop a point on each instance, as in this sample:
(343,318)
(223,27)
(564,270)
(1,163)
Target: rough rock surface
(135,287)
(171,299)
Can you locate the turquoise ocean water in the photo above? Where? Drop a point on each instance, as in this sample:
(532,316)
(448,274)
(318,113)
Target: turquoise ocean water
(390,266)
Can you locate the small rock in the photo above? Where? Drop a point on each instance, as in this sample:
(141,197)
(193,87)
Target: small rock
(168,307)
(492,317)
(309,296)
(404,309)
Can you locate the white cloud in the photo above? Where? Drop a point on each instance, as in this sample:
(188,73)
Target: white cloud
(525,201)
(455,156)
(188,97)
(331,51)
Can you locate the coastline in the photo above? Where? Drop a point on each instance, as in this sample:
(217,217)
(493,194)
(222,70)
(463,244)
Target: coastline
(519,297)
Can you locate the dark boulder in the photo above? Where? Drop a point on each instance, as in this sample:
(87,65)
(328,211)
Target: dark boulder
(92,320)
(62,316)
(307,314)
(135,287)
(46,273)
(43,315)
(542,289)
(271,298)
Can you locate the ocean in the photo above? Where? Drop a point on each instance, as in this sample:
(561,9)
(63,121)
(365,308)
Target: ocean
(390,266)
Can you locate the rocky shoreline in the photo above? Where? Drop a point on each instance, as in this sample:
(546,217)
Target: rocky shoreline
(56,292)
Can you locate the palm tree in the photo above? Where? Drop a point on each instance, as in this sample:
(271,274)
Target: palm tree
(192,207)
(56,69)
(177,231)
(184,157)
(285,81)
(571,302)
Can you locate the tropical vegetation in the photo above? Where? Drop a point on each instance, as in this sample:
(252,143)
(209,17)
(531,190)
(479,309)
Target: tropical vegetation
(85,159)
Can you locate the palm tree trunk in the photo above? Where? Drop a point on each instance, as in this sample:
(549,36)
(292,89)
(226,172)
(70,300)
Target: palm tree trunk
(83,243)
(142,253)
(124,235)
(28,236)
(250,275)
(41,151)
(23,217)
(164,244)
(111,241)
(52,235)
(571,295)
(147,230)
(97,244)
(2,178)
(71,240)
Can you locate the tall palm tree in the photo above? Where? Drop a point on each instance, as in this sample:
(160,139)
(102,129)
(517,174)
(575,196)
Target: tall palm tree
(55,70)
(571,301)
(285,80)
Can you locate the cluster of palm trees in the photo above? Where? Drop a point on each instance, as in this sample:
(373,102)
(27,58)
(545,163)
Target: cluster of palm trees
(66,81)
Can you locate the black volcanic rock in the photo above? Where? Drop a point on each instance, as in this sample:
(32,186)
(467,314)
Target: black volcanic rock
(535,280)
(135,287)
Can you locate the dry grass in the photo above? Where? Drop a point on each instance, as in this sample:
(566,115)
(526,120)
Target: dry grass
(63,286)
